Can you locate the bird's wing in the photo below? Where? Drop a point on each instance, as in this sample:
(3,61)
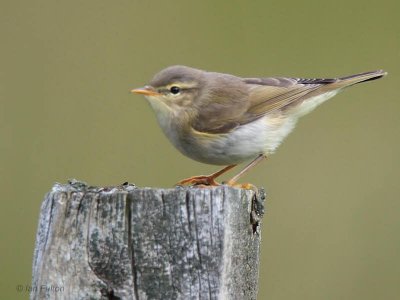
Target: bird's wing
(273,94)
(267,95)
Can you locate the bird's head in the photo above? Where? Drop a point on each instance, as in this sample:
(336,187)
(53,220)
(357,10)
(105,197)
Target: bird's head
(174,89)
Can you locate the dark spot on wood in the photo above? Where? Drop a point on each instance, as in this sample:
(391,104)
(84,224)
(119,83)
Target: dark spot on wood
(109,293)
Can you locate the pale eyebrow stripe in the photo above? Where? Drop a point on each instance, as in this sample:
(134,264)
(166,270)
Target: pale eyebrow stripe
(183,85)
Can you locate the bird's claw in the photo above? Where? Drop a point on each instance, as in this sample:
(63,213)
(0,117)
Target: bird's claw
(246,186)
(199,181)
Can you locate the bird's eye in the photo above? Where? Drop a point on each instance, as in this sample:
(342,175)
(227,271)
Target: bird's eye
(174,90)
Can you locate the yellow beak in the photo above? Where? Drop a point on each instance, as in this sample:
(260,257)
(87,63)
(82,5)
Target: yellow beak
(146,90)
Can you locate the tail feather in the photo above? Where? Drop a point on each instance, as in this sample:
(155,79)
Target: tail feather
(362,77)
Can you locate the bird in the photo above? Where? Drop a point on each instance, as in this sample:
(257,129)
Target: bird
(222,119)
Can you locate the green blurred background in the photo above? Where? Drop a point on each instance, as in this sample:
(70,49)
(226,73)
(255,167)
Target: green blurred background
(332,225)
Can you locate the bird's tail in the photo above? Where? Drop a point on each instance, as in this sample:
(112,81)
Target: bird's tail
(358,78)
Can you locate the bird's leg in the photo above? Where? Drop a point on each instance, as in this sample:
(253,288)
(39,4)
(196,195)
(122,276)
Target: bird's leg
(233,180)
(205,179)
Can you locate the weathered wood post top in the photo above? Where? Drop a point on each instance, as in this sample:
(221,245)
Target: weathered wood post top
(141,243)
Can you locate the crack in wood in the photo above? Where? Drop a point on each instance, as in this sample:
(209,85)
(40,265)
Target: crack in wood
(131,248)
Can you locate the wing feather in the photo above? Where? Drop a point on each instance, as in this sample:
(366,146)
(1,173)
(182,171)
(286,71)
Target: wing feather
(261,96)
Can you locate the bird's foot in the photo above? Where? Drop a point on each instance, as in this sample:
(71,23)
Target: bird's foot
(246,186)
(199,181)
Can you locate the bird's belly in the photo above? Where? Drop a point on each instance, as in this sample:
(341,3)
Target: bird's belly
(246,142)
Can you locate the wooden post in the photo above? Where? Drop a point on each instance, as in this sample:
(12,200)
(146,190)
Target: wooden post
(140,243)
